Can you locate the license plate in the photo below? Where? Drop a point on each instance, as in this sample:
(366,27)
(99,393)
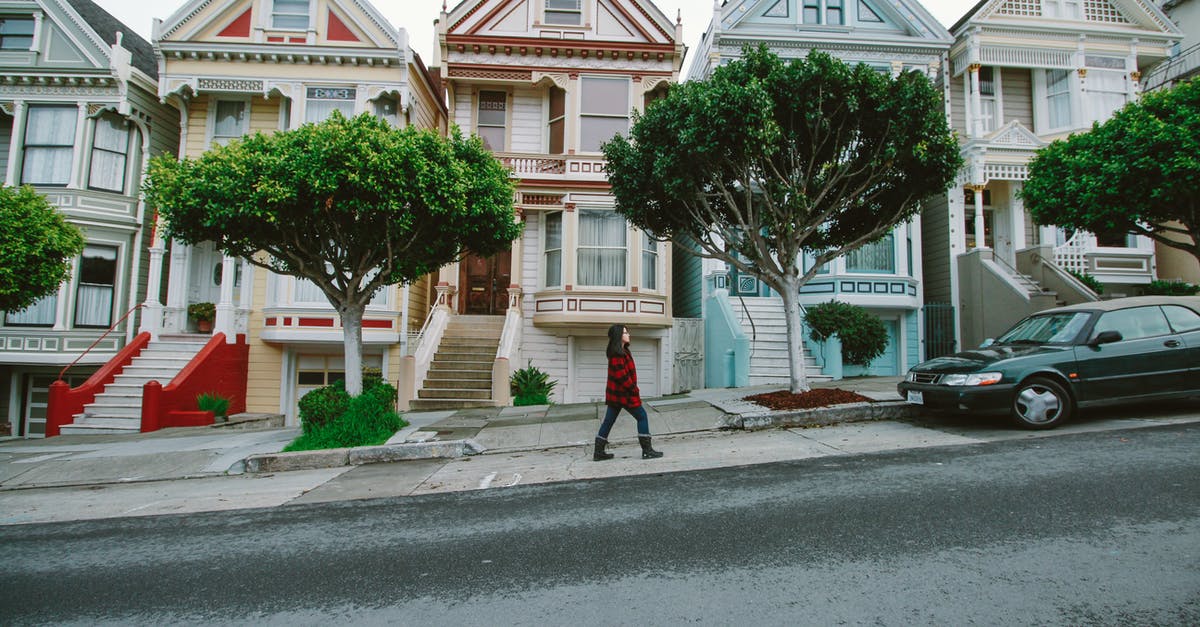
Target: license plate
(915,397)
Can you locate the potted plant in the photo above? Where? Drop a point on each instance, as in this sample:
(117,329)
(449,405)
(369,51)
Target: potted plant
(203,314)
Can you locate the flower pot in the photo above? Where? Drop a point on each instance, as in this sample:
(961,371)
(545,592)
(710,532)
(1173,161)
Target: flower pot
(204,326)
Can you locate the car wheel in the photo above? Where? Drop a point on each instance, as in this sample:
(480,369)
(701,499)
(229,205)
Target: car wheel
(1041,404)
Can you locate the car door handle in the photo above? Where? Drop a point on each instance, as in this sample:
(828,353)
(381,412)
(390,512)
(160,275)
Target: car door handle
(1171,343)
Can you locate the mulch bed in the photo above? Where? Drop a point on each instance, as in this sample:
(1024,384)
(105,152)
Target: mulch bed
(816,397)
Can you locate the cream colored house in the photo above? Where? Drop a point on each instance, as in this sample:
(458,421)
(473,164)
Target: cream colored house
(1022,74)
(544,83)
(234,67)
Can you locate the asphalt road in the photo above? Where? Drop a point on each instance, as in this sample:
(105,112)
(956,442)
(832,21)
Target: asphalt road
(1084,529)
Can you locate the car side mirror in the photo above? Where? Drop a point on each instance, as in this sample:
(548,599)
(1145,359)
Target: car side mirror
(1106,337)
(986,343)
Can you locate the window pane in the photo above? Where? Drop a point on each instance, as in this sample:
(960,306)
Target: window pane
(231,119)
(320,110)
(1058,97)
(41,313)
(493,137)
(605,95)
(97,277)
(602,267)
(492,108)
(16,34)
(553,268)
(1133,323)
(649,263)
(602,251)
(107,171)
(1182,319)
(601,228)
(46,166)
(594,132)
(290,14)
(307,292)
(51,126)
(878,256)
(553,231)
(386,108)
(563,4)
(112,134)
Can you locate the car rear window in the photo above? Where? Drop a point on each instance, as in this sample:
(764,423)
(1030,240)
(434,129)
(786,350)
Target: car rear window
(1182,319)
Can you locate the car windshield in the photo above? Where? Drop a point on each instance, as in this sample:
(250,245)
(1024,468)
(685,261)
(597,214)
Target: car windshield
(1048,329)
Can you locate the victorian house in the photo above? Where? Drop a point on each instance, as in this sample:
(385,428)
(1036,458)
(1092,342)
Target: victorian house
(544,83)
(233,67)
(79,117)
(891,36)
(1021,74)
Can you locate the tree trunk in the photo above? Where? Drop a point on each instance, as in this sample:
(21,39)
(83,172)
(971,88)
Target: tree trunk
(352,316)
(795,336)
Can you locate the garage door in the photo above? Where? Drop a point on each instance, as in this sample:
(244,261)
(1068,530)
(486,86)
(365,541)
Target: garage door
(591,367)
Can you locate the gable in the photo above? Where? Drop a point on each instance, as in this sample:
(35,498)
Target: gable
(60,50)
(1121,13)
(631,21)
(336,22)
(853,19)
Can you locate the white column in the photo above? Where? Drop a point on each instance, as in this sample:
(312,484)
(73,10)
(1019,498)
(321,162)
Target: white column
(64,295)
(224,322)
(81,144)
(175,315)
(980,234)
(976,119)
(1017,208)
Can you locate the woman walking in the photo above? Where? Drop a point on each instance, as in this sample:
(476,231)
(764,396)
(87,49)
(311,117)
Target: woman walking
(622,393)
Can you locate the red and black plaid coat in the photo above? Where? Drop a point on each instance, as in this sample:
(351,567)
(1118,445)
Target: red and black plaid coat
(622,390)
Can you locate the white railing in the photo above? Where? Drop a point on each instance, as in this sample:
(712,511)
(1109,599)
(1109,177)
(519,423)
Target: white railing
(508,353)
(431,337)
(1072,255)
(526,165)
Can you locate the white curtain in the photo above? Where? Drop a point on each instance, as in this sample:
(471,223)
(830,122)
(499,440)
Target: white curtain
(601,248)
(320,110)
(230,121)
(93,305)
(1058,97)
(649,263)
(1106,94)
(41,313)
(307,292)
(554,249)
(878,256)
(49,144)
(109,149)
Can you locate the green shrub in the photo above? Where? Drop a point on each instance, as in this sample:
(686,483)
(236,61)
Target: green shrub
(202,311)
(323,405)
(1092,282)
(531,386)
(368,419)
(1171,288)
(862,333)
(211,401)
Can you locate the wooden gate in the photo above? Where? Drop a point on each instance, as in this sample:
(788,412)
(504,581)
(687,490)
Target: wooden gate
(688,363)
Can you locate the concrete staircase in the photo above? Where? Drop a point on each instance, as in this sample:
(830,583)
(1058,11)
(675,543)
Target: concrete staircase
(768,340)
(460,375)
(118,409)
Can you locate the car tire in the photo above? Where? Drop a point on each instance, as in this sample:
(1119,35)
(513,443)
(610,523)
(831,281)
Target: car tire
(1040,403)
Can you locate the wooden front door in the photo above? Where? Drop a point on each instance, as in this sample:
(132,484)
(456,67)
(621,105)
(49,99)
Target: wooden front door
(485,282)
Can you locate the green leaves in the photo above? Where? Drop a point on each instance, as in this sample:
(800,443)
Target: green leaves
(39,245)
(374,204)
(1136,173)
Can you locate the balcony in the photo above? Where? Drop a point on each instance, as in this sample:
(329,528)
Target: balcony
(553,168)
(568,308)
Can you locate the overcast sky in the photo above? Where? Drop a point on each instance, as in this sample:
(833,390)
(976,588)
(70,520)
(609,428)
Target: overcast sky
(417,16)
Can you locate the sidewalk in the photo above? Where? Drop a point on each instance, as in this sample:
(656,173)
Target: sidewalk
(193,452)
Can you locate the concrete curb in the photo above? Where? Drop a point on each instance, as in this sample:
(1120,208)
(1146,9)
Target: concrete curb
(821,416)
(357,456)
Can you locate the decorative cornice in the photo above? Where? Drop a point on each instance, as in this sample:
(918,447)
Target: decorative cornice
(558,63)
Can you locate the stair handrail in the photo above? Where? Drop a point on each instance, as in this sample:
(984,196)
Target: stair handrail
(1066,277)
(1022,279)
(415,341)
(102,336)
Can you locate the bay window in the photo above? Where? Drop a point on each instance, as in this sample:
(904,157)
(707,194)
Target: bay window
(649,262)
(110,152)
(1106,92)
(321,102)
(604,111)
(989,121)
(878,256)
(491,119)
(1058,98)
(97,281)
(290,14)
(230,120)
(553,254)
(39,314)
(602,249)
(386,108)
(49,145)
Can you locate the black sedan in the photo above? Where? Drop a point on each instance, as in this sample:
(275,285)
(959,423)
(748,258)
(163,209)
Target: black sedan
(1138,349)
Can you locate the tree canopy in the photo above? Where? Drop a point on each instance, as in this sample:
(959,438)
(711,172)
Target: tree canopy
(38,247)
(352,205)
(1137,173)
(770,159)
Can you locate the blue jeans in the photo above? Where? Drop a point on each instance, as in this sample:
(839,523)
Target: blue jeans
(638,413)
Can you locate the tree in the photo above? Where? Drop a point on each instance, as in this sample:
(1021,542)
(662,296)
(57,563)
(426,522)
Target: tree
(352,205)
(38,247)
(1137,173)
(767,160)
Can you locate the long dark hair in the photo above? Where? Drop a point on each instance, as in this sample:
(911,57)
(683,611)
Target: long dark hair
(616,348)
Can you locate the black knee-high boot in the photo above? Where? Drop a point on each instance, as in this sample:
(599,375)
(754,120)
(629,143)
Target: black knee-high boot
(648,451)
(598,453)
